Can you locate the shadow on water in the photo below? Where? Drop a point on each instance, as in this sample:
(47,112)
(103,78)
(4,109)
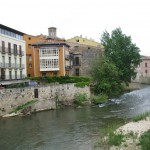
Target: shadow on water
(70,129)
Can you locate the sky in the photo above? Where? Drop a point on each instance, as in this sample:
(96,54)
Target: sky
(89,18)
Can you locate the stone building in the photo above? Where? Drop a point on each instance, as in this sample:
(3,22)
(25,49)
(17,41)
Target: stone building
(82,57)
(12,54)
(143,70)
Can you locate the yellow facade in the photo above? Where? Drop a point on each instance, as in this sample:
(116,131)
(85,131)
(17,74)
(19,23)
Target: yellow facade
(84,41)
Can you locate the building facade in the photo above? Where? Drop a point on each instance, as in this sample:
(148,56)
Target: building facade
(143,70)
(84,41)
(82,57)
(30,53)
(12,54)
(49,56)
(51,59)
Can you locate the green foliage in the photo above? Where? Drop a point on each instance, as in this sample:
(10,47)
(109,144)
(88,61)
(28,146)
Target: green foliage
(82,84)
(141,116)
(17,85)
(100,98)
(61,79)
(145,141)
(105,77)
(115,138)
(24,105)
(120,50)
(80,98)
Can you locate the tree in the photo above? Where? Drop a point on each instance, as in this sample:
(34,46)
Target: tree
(105,77)
(120,50)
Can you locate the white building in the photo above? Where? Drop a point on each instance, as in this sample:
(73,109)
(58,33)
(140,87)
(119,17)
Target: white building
(12,54)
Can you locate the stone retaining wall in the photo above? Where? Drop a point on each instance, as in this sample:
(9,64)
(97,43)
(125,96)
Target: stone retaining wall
(46,96)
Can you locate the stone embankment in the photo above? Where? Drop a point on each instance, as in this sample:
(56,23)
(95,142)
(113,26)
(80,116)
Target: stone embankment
(46,97)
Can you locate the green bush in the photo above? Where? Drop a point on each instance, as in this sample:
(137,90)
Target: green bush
(82,84)
(80,98)
(61,79)
(115,138)
(145,141)
(100,98)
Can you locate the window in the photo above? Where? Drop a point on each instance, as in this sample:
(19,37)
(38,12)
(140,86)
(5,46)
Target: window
(29,75)
(29,38)
(29,57)
(47,52)
(44,74)
(30,65)
(55,73)
(10,75)
(9,48)
(49,63)
(77,40)
(15,74)
(20,50)
(29,45)
(3,59)
(15,60)
(20,74)
(20,62)
(146,71)
(15,49)
(9,61)
(145,64)
(3,46)
(76,60)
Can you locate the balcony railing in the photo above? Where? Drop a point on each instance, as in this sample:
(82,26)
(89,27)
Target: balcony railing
(67,56)
(11,51)
(12,65)
(68,67)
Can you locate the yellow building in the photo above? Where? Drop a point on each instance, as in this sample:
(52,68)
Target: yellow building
(84,41)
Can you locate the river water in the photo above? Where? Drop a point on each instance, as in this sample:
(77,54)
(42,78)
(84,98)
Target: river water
(70,129)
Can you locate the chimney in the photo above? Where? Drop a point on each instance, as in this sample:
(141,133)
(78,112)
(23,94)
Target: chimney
(52,32)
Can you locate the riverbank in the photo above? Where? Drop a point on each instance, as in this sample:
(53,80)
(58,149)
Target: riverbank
(132,132)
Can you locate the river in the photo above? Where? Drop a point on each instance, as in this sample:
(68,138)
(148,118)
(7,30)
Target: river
(70,129)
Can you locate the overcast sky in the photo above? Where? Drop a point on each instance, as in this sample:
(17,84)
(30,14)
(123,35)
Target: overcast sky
(88,18)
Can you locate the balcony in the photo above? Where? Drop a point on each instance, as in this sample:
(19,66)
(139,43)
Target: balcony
(77,64)
(3,65)
(11,51)
(12,65)
(68,67)
(67,57)
(22,66)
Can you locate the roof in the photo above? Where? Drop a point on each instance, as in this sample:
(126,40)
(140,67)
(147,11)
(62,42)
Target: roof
(52,28)
(11,29)
(50,44)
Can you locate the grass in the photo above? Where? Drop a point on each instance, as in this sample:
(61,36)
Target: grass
(98,99)
(112,138)
(141,116)
(24,106)
(80,98)
(145,141)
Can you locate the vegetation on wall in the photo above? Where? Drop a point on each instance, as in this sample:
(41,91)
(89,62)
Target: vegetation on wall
(61,79)
(80,98)
(23,106)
